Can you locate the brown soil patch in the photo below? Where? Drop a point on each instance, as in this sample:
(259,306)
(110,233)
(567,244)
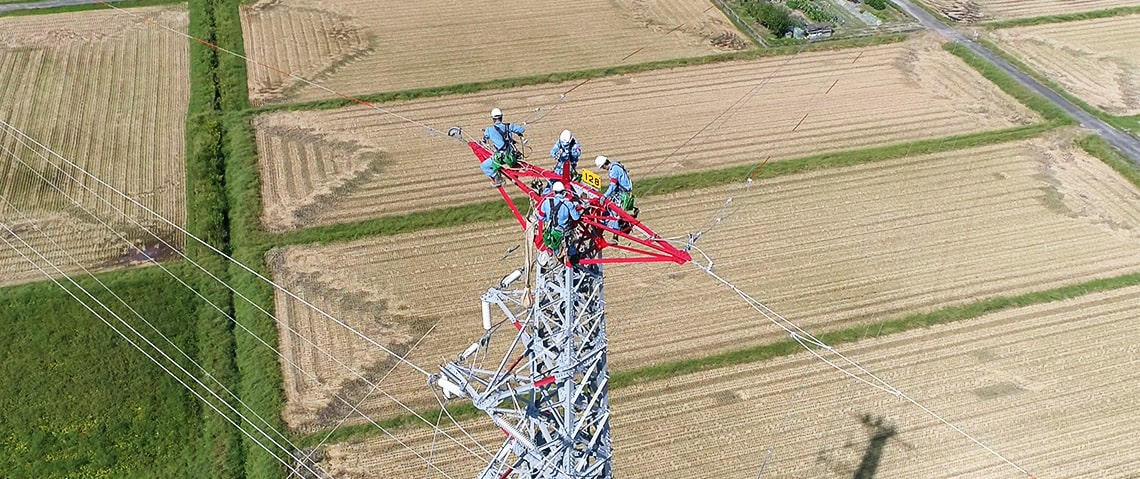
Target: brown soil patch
(355,47)
(109,92)
(1095,60)
(828,249)
(1050,387)
(793,106)
(970,11)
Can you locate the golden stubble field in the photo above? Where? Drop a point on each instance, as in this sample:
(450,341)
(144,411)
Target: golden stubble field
(108,92)
(1096,60)
(356,46)
(828,249)
(986,10)
(327,167)
(1050,387)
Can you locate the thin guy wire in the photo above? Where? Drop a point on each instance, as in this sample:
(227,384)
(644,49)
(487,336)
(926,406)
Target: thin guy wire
(799,334)
(124,336)
(59,247)
(214,249)
(315,346)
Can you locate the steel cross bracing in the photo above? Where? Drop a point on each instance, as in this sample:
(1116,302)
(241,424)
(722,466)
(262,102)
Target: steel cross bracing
(549,394)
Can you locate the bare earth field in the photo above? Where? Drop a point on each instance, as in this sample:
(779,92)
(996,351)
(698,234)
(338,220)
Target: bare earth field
(986,10)
(88,85)
(828,249)
(355,47)
(326,167)
(1095,60)
(1050,387)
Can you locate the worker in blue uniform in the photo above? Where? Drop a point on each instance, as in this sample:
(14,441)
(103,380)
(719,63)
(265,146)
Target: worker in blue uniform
(558,214)
(566,151)
(620,190)
(499,138)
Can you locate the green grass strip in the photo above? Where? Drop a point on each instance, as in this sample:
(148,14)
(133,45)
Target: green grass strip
(459,411)
(1129,124)
(493,210)
(1096,146)
(1062,18)
(1008,84)
(672,369)
(517,82)
(87,7)
(496,210)
(946,315)
(705,179)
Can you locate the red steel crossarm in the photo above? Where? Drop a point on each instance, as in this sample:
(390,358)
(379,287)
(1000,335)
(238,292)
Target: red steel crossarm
(598,211)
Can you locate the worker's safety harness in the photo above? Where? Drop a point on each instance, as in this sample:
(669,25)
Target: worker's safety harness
(624,197)
(508,154)
(552,235)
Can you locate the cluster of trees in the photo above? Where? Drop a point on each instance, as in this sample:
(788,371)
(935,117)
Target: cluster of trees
(876,4)
(773,16)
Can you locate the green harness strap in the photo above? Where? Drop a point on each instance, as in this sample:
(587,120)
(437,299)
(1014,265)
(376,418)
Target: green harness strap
(551,236)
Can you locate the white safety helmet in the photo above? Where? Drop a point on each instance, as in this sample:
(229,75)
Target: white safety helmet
(600,161)
(496,113)
(566,137)
(558,187)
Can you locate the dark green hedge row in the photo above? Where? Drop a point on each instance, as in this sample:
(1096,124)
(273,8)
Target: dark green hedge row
(206,218)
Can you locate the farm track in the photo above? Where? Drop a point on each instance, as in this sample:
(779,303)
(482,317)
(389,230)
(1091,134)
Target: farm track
(355,48)
(986,10)
(1043,385)
(1093,59)
(85,84)
(793,106)
(862,243)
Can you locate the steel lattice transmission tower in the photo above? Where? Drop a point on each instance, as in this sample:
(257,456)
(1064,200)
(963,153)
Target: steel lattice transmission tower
(549,393)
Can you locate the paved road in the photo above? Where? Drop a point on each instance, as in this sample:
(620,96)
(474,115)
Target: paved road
(48,4)
(1127,144)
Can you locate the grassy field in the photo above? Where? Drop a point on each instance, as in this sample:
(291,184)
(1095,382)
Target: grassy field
(76,400)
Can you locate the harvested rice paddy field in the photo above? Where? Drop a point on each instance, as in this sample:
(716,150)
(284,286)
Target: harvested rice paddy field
(1096,60)
(829,249)
(85,85)
(986,10)
(1044,386)
(326,167)
(356,47)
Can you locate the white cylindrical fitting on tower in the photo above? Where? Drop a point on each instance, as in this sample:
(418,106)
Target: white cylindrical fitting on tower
(470,350)
(486,315)
(449,388)
(510,278)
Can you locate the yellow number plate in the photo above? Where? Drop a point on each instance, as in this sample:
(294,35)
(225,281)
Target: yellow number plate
(592,179)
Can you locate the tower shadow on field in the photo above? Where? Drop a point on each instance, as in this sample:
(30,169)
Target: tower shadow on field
(881,432)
